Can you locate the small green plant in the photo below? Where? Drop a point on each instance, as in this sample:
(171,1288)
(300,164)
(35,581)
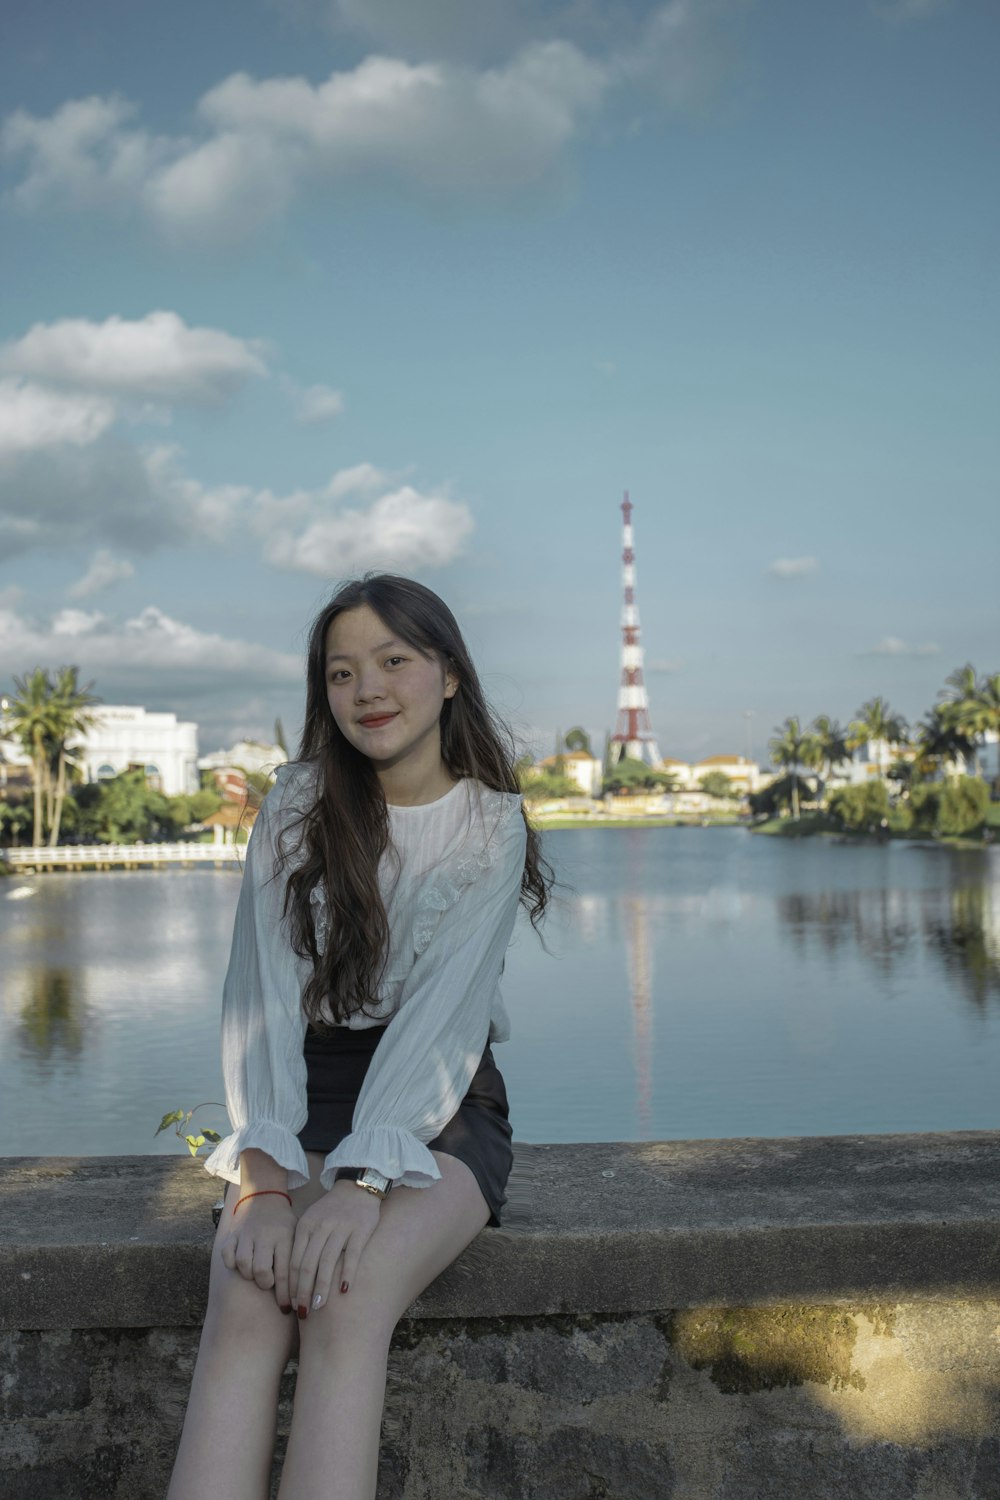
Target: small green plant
(181,1118)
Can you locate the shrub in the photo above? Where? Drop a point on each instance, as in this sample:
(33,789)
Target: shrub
(860,809)
(953,807)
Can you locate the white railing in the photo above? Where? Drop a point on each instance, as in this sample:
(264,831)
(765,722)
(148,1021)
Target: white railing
(130,856)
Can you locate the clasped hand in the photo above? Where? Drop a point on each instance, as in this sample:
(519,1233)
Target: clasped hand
(303,1259)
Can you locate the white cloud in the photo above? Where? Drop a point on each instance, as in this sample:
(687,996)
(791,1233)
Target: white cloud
(84,155)
(401,529)
(443,126)
(157,357)
(680,46)
(109,494)
(105,569)
(792,567)
(118,497)
(683,53)
(891,645)
(123,654)
(318,404)
(32,418)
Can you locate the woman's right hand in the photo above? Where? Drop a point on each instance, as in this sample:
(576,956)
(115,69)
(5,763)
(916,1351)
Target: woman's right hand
(259,1245)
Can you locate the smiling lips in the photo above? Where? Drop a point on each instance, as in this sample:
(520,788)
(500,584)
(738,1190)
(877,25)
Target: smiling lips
(372,721)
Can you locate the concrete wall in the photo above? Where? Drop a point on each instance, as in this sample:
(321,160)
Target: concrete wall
(702,1320)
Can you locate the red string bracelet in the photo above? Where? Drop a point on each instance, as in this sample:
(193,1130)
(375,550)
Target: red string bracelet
(261,1194)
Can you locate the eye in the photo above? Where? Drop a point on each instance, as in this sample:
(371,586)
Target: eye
(335,676)
(391,659)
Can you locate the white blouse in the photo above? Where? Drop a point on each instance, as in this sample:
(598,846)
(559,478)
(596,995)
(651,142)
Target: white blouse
(450,881)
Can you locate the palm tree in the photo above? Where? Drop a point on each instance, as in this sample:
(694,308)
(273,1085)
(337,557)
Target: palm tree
(962,708)
(972,705)
(793,747)
(44,716)
(989,699)
(33,720)
(72,705)
(939,741)
(877,723)
(834,749)
(577,739)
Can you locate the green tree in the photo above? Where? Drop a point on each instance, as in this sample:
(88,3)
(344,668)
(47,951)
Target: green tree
(877,723)
(770,800)
(45,716)
(834,750)
(939,742)
(956,806)
(15,818)
(971,706)
(279,736)
(577,739)
(123,810)
(861,809)
(795,748)
(543,785)
(73,717)
(718,784)
(33,718)
(629,775)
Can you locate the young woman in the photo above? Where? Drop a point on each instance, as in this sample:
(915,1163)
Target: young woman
(371,1141)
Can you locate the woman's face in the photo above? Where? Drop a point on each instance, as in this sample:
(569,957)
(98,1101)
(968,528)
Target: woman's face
(385,697)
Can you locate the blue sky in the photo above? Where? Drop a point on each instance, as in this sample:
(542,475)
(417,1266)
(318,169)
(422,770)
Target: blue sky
(295,288)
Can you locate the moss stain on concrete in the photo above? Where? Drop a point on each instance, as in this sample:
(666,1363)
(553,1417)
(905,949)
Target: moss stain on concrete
(760,1348)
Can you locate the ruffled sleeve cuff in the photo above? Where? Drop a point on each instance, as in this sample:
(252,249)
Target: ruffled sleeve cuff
(260,1135)
(394,1152)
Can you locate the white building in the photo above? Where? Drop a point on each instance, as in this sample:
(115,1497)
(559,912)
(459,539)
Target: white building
(249,755)
(126,738)
(584,769)
(744,774)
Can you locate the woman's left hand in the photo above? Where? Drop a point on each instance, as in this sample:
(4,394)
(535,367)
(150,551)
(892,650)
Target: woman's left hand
(339,1224)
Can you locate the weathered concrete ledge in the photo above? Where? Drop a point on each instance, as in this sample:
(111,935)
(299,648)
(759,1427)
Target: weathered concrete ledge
(694,1320)
(98,1242)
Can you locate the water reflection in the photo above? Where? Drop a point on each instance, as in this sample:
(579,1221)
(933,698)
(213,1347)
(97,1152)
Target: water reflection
(53,1021)
(708,983)
(968,942)
(639,958)
(959,925)
(880,924)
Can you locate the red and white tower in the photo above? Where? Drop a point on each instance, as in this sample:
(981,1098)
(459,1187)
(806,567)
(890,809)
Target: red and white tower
(633,734)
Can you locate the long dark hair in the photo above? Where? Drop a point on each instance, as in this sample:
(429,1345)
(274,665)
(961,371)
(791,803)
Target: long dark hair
(343,835)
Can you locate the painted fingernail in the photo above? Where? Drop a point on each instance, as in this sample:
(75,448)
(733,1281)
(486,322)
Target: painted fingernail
(302,1312)
(286,1309)
(318,1300)
(343,1286)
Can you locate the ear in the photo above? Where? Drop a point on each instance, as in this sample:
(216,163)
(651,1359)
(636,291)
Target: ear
(450,683)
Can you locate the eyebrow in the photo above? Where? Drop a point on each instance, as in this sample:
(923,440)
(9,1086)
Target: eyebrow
(340,656)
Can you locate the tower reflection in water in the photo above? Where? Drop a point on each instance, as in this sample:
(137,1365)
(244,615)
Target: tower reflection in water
(639,958)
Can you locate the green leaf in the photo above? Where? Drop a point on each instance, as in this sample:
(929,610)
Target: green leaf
(213,1136)
(171,1119)
(194,1141)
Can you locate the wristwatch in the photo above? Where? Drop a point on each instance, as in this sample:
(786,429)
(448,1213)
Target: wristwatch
(374,1182)
(367,1178)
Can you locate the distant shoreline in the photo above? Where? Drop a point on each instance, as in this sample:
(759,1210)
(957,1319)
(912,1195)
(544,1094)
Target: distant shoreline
(623,820)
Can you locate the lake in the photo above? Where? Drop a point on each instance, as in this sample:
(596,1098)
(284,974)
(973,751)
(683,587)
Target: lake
(699,983)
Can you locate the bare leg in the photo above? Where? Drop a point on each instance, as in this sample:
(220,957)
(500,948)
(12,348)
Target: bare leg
(334,1441)
(227,1445)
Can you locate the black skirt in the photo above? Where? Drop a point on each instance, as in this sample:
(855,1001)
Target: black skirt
(478,1134)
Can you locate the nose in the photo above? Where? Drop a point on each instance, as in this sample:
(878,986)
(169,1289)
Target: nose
(369,686)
